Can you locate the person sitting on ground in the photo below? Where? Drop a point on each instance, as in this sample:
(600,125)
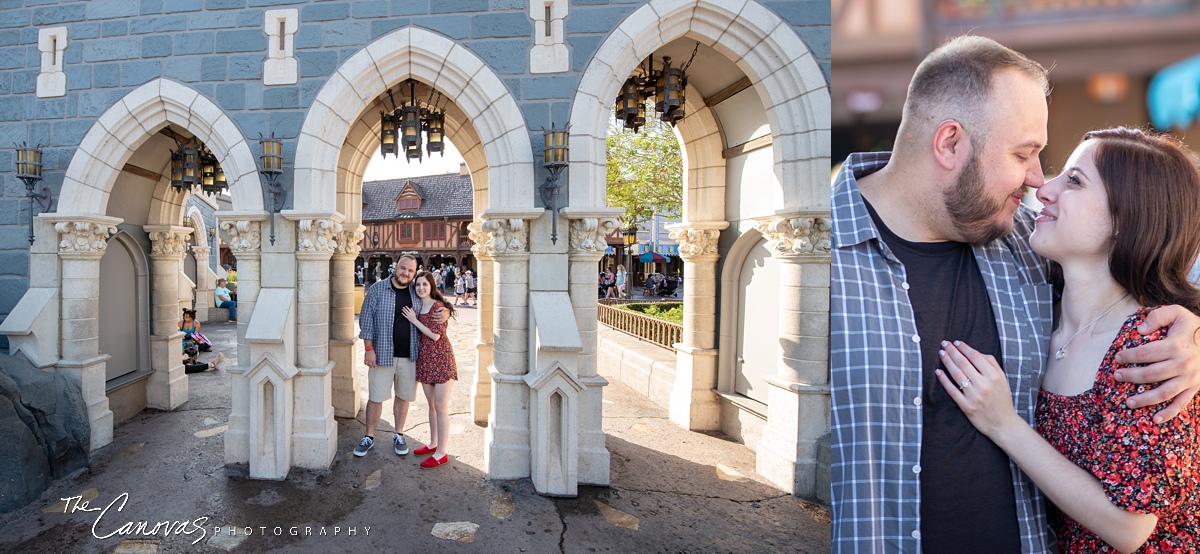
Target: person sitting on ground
(197,342)
(224,300)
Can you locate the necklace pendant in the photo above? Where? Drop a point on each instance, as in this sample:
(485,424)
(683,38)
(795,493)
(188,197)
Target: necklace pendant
(1062,353)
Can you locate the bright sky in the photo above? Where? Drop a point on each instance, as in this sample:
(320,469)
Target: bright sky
(398,168)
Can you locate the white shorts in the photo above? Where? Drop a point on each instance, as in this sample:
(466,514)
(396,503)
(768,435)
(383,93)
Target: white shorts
(403,374)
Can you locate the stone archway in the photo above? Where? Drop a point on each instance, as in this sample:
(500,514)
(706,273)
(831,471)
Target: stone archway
(486,124)
(71,241)
(793,93)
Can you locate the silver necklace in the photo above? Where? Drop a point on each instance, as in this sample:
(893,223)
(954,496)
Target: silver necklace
(1062,351)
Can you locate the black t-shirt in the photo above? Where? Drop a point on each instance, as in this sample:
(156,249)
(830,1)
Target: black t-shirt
(967,499)
(401,327)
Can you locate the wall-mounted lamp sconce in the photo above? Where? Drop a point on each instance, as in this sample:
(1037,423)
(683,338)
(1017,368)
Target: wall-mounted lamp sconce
(29,170)
(272,166)
(556,155)
(212,236)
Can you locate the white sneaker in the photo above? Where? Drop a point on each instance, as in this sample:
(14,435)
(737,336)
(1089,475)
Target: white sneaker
(216,362)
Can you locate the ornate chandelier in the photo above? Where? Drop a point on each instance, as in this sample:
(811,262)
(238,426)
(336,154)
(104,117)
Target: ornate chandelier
(193,166)
(401,128)
(665,87)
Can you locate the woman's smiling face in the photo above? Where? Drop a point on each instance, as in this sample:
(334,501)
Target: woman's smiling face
(1076,220)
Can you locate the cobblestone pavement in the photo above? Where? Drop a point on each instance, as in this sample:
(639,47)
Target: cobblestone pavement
(672,490)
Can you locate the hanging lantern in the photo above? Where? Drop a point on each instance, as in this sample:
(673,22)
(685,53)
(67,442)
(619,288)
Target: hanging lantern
(189,165)
(387,135)
(631,93)
(220,184)
(177,169)
(435,132)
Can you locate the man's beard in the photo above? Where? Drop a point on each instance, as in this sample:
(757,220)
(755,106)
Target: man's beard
(970,208)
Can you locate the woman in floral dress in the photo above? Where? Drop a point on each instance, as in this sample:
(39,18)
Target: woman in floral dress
(1122,226)
(436,370)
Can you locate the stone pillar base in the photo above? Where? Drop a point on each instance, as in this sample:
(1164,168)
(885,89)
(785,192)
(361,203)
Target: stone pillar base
(237,437)
(693,405)
(167,387)
(314,431)
(593,454)
(89,375)
(346,401)
(797,420)
(506,439)
(481,388)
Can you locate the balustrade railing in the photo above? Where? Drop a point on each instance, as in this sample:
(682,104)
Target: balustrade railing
(658,331)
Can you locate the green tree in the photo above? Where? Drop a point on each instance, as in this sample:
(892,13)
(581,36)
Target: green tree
(645,170)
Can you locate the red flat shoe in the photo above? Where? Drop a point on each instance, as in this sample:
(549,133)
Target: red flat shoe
(432,462)
(424,451)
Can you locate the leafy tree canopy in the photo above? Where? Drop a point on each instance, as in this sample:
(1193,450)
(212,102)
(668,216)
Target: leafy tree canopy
(645,170)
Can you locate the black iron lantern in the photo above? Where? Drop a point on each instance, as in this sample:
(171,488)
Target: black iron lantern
(555,154)
(387,135)
(665,87)
(190,167)
(272,166)
(177,169)
(29,171)
(435,133)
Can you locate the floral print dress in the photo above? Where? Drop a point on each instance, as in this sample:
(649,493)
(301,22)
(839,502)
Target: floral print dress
(435,362)
(1143,467)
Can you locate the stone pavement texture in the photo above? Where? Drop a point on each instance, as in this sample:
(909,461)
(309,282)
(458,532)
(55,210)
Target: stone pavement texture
(671,490)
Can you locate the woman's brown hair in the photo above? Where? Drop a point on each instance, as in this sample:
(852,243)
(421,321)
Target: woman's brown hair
(434,293)
(1154,199)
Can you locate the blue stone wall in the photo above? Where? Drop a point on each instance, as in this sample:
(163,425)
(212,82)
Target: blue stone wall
(217,47)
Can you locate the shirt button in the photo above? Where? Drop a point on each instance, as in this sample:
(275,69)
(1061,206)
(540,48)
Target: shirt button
(916,534)
(904,285)
(917,469)
(917,401)
(916,338)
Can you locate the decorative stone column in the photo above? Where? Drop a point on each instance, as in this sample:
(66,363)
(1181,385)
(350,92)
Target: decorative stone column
(314,431)
(481,389)
(245,241)
(168,385)
(82,242)
(798,400)
(693,404)
(346,400)
(204,285)
(587,245)
(506,439)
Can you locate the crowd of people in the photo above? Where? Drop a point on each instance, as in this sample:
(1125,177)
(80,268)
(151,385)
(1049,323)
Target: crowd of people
(448,278)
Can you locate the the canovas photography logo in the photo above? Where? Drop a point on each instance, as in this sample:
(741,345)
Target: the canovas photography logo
(108,524)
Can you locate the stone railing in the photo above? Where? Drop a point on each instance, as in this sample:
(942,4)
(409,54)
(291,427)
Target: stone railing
(663,333)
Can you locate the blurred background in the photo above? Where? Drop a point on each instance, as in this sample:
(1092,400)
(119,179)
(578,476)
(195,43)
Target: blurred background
(1112,62)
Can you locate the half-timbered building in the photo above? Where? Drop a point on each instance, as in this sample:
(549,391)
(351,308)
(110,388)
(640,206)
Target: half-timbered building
(423,216)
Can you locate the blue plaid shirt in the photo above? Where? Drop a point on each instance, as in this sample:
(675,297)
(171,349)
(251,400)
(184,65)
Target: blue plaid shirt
(876,372)
(378,316)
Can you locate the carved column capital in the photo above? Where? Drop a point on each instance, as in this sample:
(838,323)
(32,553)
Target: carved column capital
(169,242)
(505,236)
(588,236)
(478,241)
(696,245)
(317,236)
(245,237)
(797,236)
(83,237)
(200,251)
(349,241)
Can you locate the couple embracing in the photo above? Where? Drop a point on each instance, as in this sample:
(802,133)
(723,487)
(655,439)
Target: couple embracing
(1006,380)
(402,317)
